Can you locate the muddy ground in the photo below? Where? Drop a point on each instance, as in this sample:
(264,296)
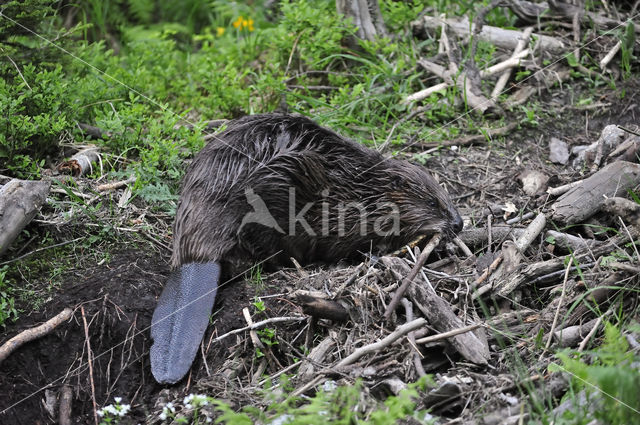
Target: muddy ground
(117,297)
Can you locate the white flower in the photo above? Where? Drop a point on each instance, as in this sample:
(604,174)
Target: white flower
(124,409)
(163,415)
(171,407)
(209,420)
(100,413)
(118,399)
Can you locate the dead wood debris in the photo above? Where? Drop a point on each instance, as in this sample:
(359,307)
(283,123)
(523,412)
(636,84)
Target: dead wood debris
(540,39)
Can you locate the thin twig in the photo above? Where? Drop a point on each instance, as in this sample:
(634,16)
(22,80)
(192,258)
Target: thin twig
(90,362)
(260,324)
(555,317)
(448,334)
(435,240)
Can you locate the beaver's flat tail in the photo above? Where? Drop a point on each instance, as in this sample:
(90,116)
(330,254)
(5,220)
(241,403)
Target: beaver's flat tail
(181,318)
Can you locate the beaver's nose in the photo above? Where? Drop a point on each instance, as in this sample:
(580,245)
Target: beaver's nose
(458,224)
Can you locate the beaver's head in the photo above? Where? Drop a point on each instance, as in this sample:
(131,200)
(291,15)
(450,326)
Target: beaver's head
(424,206)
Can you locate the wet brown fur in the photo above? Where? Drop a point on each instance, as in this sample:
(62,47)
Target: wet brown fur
(271,153)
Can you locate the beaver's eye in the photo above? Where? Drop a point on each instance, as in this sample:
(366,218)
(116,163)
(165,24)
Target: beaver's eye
(432,203)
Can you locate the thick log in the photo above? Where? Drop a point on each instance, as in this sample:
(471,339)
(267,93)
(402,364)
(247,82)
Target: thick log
(502,38)
(584,200)
(19,203)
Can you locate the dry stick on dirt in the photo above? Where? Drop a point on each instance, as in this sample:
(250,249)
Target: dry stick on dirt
(64,411)
(473,138)
(384,342)
(592,332)
(440,314)
(257,343)
(504,78)
(435,240)
(34,333)
(90,362)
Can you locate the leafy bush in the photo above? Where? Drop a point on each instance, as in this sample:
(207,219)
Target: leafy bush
(7,302)
(34,111)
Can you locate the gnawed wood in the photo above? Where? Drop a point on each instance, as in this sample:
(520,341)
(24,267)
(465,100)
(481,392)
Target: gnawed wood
(80,163)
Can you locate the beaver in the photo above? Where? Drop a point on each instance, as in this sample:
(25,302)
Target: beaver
(275,187)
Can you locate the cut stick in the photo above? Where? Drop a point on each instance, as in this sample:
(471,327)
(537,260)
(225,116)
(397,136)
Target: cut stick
(435,240)
(584,200)
(34,333)
(80,163)
(504,78)
(19,203)
(423,94)
(115,185)
(506,65)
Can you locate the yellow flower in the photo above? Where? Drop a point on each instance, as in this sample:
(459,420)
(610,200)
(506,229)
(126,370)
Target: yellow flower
(219,31)
(238,22)
(249,25)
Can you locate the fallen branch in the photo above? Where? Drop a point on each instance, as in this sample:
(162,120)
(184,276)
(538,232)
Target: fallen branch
(445,335)
(502,38)
(34,333)
(385,342)
(504,78)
